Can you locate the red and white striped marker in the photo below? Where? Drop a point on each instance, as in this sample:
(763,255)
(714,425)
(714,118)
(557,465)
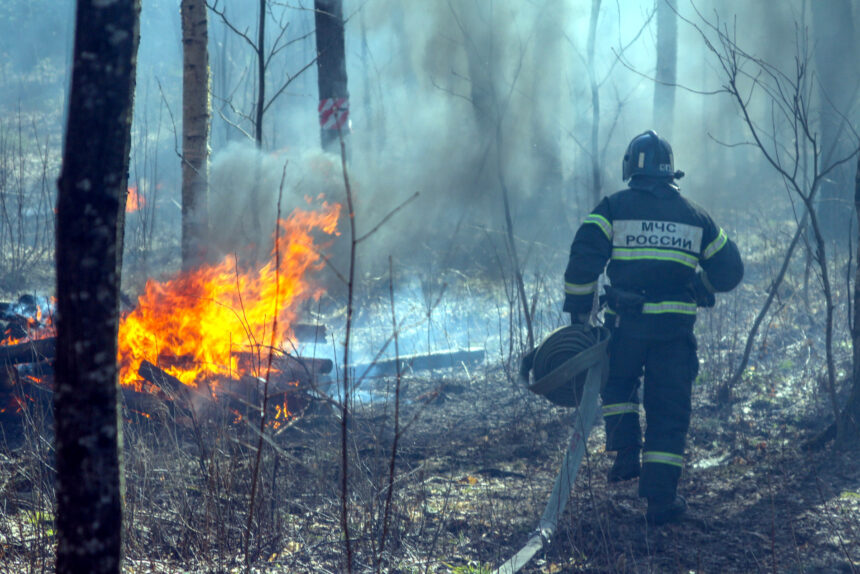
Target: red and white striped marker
(334,113)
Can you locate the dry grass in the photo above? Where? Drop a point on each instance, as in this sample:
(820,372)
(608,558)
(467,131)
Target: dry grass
(474,466)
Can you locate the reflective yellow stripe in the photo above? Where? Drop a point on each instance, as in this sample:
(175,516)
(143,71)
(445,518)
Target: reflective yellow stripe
(665,307)
(663,458)
(669,307)
(620,409)
(580,288)
(600,222)
(715,245)
(655,254)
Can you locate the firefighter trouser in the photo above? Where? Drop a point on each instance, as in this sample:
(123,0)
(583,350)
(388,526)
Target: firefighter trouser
(669,367)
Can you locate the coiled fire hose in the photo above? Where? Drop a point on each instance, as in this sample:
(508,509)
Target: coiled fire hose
(570,367)
(560,364)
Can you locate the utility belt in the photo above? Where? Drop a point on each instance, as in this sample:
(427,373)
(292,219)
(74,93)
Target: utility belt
(627,302)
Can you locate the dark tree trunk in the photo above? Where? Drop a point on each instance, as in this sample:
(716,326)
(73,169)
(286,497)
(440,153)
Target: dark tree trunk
(331,73)
(545,132)
(90,215)
(596,179)
(482,62)
(368,94)
(546,200)
(850,428)
(195,131)
(374,111)
(833,40)
(667,60)
(261,75)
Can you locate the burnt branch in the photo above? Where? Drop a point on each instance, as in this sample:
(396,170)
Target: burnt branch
(29,352)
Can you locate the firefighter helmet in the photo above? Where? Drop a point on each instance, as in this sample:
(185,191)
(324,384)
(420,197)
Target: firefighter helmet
(649,155)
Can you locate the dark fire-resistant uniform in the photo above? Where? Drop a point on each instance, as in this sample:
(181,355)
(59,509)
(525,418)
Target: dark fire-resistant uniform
(654,240)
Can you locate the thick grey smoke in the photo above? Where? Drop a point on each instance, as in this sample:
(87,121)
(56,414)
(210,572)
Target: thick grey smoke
(245,226)
(452,99)
(449,99)
(466,77)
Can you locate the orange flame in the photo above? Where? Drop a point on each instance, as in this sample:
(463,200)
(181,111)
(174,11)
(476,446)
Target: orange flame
(193,325)
(135,200)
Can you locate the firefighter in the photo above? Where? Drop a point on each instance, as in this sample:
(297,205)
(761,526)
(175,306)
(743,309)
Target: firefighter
(666,256)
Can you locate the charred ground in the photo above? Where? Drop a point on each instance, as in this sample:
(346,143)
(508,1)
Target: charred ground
(475,459)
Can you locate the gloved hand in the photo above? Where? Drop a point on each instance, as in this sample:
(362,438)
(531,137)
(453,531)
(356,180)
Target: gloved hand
(579,318)
(703,293)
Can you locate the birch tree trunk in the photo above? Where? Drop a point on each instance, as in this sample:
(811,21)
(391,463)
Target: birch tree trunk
(195,131)
(90,217)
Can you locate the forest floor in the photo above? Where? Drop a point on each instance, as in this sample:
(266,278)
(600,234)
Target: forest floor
(476,457)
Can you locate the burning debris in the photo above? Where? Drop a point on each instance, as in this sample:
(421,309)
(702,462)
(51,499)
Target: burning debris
(31,318)
(27,349)
(194,325)
(215,332)
(221,334)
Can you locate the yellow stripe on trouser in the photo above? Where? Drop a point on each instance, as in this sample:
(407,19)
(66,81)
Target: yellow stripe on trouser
(669,307)
(620,409)
(663,458)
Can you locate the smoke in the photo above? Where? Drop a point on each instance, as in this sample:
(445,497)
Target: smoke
(474,102)
(245,184)
(450,99)
(435,87)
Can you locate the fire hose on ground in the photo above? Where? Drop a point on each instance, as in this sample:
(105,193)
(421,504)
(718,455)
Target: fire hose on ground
(569,368)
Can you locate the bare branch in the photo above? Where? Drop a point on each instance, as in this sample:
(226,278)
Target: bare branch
(275,49)
(213,6)
(172,121)
(450,92)
(391,214)
(233,124)
(289,81)
(670,84)
(291,42)
(622,49)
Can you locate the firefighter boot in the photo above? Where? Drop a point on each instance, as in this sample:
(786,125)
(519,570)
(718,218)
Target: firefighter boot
(663,512)
(626,465)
